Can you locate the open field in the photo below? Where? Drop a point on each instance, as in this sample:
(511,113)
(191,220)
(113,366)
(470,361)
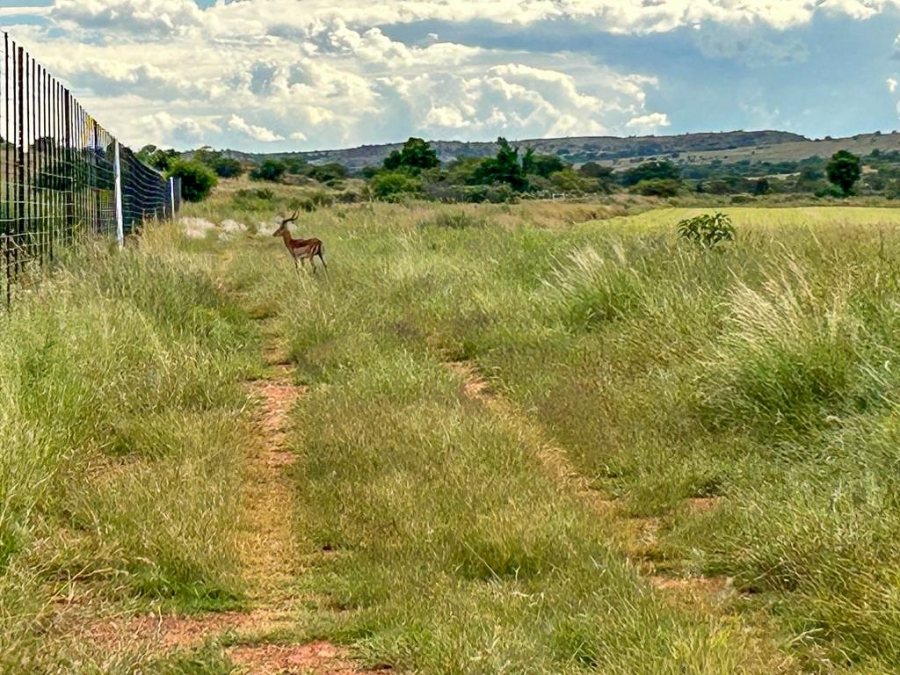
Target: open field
(497,439)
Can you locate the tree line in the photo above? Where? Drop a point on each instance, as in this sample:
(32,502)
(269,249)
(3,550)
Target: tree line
(416,171)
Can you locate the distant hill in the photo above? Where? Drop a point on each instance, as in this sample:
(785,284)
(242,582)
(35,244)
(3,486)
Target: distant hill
(700,148)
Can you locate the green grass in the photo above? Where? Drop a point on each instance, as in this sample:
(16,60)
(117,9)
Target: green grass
(122,432)
(761,374)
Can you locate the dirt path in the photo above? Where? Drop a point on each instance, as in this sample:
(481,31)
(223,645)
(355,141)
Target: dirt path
(269,556)
(260,638)
(268,551)
(634,535)
(553,458)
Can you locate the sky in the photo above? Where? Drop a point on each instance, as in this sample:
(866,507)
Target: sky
(286,75)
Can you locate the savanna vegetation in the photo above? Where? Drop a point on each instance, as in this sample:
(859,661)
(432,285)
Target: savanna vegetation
(534,437)
(417,171)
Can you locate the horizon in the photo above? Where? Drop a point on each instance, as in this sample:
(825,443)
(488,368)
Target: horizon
(254,77)
(513,141)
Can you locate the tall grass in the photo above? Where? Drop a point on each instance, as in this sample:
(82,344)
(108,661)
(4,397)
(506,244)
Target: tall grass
(761,374)
(121,435)
(452,548)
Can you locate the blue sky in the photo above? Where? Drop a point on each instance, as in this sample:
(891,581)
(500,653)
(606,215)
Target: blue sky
(275,75)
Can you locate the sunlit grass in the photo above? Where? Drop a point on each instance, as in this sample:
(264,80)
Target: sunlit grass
(122,436)
(753,374)
(761,375)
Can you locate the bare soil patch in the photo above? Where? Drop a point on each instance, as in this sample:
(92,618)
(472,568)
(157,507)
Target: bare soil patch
(317,657)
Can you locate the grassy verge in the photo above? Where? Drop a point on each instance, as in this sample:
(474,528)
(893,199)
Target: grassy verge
(759,378)
(450,547)
(122,436)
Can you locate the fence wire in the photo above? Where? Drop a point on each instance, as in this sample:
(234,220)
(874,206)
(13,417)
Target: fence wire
(59,170)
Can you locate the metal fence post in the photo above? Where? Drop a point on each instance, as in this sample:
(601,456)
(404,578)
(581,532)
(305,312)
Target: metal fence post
(62,171)
(120,220)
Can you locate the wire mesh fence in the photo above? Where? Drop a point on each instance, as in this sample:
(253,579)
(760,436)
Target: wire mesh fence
(62,175)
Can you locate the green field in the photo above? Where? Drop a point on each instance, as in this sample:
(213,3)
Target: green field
(532,438)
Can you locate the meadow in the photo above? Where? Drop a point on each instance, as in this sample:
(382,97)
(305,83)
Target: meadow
(531,438)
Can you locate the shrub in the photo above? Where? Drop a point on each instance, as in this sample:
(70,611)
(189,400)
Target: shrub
(327,173)
(226,167)
(197,180)
(393,185)
(707,230)
(471,194)
(270,169)
(742,199)
(662,187)
(651,171)
(317,199)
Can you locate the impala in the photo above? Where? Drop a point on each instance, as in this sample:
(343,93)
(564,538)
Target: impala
(300,248)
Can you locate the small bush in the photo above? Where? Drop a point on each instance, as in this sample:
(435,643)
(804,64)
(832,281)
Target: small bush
(742,199)
(471,194)
(707,230)
(197,180)
(270,170)
(394,185)
(662,187)
(317,199)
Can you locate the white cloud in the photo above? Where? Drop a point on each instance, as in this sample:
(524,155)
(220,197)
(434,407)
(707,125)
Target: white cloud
(283,17)
(257,133)
(24,10)
(648,123)
(187,130)
(135,16)
(332,85)
(892,84)
(254,72)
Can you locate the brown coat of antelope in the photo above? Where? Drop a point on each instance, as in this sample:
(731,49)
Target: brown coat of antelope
(300,248)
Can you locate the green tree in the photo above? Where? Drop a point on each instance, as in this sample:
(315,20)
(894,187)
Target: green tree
(844,170)
(327,173)
(270,169)
(296,165)
(594,170)
(197,179)
(659,187)
(649,171)
(541,165)
(504,168)
(460,172)
(569,180)
(762,186)
(416,155)
(227,167)
(159,159)
(393,185)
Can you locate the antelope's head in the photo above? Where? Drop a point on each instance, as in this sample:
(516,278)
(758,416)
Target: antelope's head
(284,225)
